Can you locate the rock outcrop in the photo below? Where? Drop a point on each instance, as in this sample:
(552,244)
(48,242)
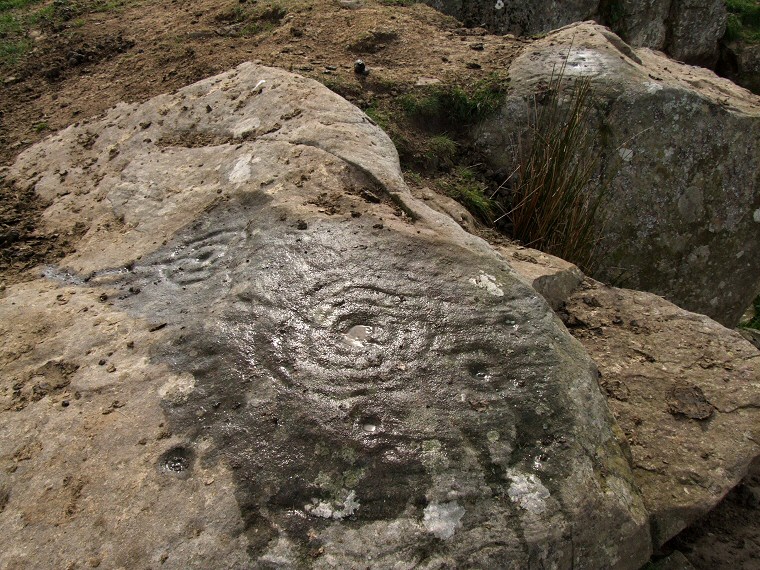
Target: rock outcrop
(265,353)
(518,17)
(681,147)
(684,390)
(688,30)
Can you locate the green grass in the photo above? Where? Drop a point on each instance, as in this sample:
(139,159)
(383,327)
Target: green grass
(454,107)
(18,17)
(743,20)
(12,50)
(440,153)
(6,5)
(466,189)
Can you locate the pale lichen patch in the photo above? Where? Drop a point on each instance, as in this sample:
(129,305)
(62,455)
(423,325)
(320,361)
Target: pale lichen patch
(528,492)
(488,282)
(442,519)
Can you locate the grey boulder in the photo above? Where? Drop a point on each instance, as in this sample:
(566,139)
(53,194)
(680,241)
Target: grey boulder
(682,215)
(688,30)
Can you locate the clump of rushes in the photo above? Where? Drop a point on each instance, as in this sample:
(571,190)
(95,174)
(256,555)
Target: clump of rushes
(552,198)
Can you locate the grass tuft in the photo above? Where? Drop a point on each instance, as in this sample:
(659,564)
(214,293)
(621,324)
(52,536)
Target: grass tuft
(754,322)
(441,153)
(552,199)
(454,106)
(466,189)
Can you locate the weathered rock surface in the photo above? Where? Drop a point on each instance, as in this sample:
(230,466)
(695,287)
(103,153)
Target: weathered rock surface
(553,278)
(518,17)
(265,353)
(683,388)
(740,62)
(688,30)
(685,392)
(683,210)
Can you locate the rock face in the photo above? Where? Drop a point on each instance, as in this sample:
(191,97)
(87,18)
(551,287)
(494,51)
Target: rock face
(685,392)
(518,17)
(740,62)
(265,353)
(688,30)
(681,146)
(683,389)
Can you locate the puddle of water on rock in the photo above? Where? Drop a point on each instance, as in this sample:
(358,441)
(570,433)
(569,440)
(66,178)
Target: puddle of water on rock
(358,336)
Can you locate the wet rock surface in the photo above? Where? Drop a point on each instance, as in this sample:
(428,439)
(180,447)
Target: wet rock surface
(680,145)
(289,384)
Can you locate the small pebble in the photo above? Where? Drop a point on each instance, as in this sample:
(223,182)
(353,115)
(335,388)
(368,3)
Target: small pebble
(360,68)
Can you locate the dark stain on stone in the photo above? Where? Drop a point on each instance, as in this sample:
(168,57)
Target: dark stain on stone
(316,426)
(689,401)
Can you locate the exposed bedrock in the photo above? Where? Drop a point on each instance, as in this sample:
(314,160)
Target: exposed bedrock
(688,30)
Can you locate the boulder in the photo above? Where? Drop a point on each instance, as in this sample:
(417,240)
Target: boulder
(694,29)
(683,389)
(680,144)
(740,62)
(266,353)
(551,277)
(688,30)
(517,17)
(685,392)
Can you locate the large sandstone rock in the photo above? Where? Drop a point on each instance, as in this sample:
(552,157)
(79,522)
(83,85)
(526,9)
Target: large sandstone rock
(265,353)
(688,30)
(685,392)
(683,209)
